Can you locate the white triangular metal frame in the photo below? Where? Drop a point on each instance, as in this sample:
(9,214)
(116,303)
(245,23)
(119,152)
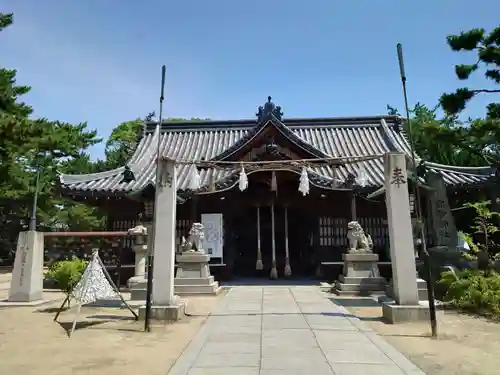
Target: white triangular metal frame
(87,290)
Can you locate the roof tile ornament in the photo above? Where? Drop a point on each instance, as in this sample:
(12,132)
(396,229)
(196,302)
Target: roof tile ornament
(268,110)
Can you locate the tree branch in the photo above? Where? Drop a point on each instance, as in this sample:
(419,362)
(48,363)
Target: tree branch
(484,90)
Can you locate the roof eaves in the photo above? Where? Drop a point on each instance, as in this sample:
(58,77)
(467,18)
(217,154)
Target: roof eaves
(69,179)
(482,171)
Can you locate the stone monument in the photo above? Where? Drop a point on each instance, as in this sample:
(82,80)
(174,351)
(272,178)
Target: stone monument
(165,304)
(193,272)
(27,277)
(360,273)
(406,306)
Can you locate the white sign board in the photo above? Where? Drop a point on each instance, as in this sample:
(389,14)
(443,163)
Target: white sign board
(214,235)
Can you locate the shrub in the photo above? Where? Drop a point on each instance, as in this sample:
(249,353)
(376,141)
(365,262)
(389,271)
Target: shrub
(473,291)
(66,273)
(484,228)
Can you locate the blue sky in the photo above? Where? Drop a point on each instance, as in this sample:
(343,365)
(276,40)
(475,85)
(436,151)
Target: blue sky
(99,61)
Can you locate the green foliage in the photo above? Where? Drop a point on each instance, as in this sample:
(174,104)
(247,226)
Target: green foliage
(487,48)
(121,144)
(483,225)
(28,145)
(474,248)
(124,137)
(66,273)
(473,291)
(447,140)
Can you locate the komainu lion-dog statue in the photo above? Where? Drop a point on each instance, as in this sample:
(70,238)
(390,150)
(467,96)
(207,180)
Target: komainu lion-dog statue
(359,242)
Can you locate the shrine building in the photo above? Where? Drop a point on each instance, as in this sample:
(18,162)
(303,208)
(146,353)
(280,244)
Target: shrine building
(269,218)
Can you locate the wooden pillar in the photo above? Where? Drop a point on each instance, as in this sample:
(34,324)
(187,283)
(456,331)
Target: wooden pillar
(259,266)
(352,196)
(194,208)
(288,269)
(274,271)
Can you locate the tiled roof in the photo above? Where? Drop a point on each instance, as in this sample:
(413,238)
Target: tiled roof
(362,136)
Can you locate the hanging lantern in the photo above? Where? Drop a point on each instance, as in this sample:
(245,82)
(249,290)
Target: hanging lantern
(274,182)
(361,179)
(243,183)
(304,182)
(194,181)
(411,198)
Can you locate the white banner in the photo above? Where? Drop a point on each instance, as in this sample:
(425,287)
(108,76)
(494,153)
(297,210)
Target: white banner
(214,235)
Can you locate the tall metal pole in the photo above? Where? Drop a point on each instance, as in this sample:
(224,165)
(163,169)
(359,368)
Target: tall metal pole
(32,225)
(418,203)
(149,286)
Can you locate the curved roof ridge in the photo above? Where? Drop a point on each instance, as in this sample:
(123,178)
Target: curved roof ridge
(196,125)
(144,152)
(460,169)
(78,178)
(390,139)
(139,159)
(282,128)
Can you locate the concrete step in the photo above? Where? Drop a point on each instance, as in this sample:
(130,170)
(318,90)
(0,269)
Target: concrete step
(365,287)
(194,281)
(360,293)
(362,280)
(183,290)
(139,294)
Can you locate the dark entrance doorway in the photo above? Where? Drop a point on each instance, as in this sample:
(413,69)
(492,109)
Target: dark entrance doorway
(300,233)
(244,244)
(242,229)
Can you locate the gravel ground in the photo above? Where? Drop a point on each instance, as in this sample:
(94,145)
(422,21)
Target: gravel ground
(466,345)
(107,341)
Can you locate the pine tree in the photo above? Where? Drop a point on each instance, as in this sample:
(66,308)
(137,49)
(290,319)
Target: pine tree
(487,48)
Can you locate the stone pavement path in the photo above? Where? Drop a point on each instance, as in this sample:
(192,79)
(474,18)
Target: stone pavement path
(295,330)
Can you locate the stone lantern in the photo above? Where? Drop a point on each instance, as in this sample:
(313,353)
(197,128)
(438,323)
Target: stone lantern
(140,234)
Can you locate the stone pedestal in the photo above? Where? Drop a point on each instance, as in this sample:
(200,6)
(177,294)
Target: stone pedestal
(193,274)
(27,277)
(360,275)
(395,313)
(172,312)
(421,289)
(138,282)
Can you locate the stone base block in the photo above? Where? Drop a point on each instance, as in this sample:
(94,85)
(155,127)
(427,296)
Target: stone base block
(362,280)
(137,282)
(197,289)
(360,287)
(360,257)
(138,294)
(421,288)
(193,257)
(164,313)
(137,286)
(360,275)
(182,287)
(39,302)
(396,314)
(195,281)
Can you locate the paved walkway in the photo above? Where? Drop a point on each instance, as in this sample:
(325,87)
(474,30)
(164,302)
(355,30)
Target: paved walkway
(264,330)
